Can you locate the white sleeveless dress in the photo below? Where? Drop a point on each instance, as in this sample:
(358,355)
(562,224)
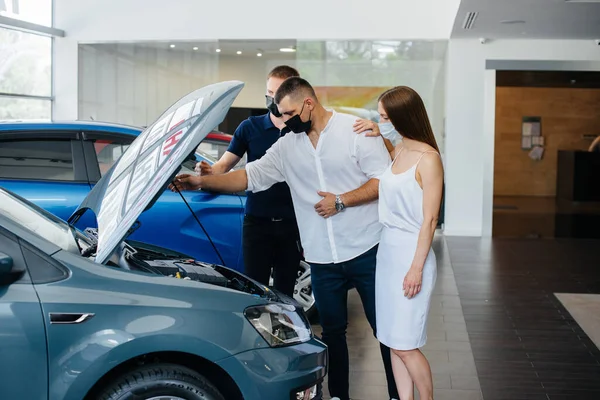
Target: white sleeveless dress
(401,322)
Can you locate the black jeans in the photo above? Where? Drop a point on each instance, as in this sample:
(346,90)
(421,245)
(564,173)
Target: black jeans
(330,283)
(269,244)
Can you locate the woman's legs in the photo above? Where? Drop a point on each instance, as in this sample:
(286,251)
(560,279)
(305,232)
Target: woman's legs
(403,380)
(419,370)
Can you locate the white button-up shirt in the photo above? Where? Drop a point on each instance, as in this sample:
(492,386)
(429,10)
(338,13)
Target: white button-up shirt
(342,161)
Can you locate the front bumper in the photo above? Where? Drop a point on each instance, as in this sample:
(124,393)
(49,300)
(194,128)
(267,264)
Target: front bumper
(278,373)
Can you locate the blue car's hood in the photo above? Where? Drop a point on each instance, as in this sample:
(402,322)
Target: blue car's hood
(150,162)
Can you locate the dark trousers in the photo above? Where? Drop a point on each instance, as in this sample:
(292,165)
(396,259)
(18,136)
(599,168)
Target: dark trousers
(272,244)
(330,283)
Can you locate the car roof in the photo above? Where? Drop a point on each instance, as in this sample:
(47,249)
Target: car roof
(11,126)
(221,136)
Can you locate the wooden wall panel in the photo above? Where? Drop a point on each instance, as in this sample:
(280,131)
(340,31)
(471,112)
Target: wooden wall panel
(567,114)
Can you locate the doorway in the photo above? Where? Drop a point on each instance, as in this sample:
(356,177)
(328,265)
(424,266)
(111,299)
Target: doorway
(545,122)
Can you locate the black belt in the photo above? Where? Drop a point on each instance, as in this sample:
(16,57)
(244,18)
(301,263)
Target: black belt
(267,219)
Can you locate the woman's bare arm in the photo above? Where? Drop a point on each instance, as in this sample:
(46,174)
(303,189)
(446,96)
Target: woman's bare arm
(430,176)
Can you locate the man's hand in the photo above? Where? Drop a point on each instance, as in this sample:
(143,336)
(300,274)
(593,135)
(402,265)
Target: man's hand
(203,168)
(186,182)
(326,207)
(366,125)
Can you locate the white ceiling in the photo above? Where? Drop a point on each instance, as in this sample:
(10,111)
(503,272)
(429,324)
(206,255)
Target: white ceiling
(543,19)
(92,21)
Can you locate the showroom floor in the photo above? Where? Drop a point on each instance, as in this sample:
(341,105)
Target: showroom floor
(545,217)
(504,324)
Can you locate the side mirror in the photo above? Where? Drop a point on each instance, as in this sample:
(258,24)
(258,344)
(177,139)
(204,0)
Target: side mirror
(6,264)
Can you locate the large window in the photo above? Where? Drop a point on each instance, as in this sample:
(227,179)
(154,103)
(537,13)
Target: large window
(35,11)
(25,74)
(21,108)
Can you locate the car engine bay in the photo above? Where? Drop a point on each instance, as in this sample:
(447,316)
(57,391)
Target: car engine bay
(143,257)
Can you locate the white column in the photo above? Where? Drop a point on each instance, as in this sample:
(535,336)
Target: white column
(489,141)
(65,79)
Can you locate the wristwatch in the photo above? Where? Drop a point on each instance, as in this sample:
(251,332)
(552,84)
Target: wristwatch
(339,204)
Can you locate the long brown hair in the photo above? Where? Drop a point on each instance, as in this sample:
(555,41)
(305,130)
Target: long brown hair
(405,109)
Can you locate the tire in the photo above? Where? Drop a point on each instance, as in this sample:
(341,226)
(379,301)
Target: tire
(303,293)
(161,380)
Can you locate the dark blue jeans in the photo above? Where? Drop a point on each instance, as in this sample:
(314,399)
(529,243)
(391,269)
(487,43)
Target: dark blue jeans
(330,284)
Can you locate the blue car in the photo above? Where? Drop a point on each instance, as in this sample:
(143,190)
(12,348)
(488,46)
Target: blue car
(55,165)
(91,314)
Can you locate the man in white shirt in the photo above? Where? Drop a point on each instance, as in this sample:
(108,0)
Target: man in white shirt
(332,174)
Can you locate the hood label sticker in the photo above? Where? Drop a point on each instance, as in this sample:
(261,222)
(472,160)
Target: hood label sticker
(141,176)
(157,132)
(181,115)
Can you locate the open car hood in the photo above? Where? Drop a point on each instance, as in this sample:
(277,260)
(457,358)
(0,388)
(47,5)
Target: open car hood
(150,163)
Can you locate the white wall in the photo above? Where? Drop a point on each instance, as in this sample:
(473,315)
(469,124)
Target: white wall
(469,121)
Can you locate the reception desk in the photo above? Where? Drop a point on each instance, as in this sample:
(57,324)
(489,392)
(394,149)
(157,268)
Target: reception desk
(578,195)
(578,176)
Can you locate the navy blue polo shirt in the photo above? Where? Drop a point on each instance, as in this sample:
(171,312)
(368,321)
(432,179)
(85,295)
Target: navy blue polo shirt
(255,136)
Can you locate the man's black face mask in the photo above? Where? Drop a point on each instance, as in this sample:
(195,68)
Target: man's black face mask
(272,107)
(296,124)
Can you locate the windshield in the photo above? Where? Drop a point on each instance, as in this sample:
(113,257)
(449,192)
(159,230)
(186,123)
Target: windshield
(38,221)
(203,154)
(187,167)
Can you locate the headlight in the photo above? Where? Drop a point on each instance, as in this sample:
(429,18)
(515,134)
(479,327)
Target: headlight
(279,324)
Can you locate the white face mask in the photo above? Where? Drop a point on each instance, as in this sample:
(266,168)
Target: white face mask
(389,132)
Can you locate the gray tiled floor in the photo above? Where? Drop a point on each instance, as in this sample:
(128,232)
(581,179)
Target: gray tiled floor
(448,349)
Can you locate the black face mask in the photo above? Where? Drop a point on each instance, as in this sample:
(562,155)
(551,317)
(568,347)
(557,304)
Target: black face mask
(272,107)
(296,124)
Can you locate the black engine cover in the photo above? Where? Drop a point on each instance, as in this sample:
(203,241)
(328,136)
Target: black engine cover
(189,269)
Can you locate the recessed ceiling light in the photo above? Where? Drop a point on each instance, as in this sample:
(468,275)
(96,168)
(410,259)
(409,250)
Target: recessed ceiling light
(218,50)
(172,46)
(258,54)
(239,52)
(287,49)
(195,48)
(385,50)
(512,21)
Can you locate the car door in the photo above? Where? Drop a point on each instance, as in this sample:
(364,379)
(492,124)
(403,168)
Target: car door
(46,168)
(23,355)
(170,223)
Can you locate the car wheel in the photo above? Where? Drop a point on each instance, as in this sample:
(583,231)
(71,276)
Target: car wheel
(303,292)
(161,382)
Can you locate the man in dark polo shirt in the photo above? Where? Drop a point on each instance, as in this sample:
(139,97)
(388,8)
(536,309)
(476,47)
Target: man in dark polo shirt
(270,233)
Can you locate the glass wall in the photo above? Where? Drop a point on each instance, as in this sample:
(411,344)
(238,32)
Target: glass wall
(133,84)
(25,63)
(350,75)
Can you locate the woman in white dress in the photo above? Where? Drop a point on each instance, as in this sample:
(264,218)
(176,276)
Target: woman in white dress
(410,194)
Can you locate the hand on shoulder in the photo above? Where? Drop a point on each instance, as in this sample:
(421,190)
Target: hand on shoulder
(365,125)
